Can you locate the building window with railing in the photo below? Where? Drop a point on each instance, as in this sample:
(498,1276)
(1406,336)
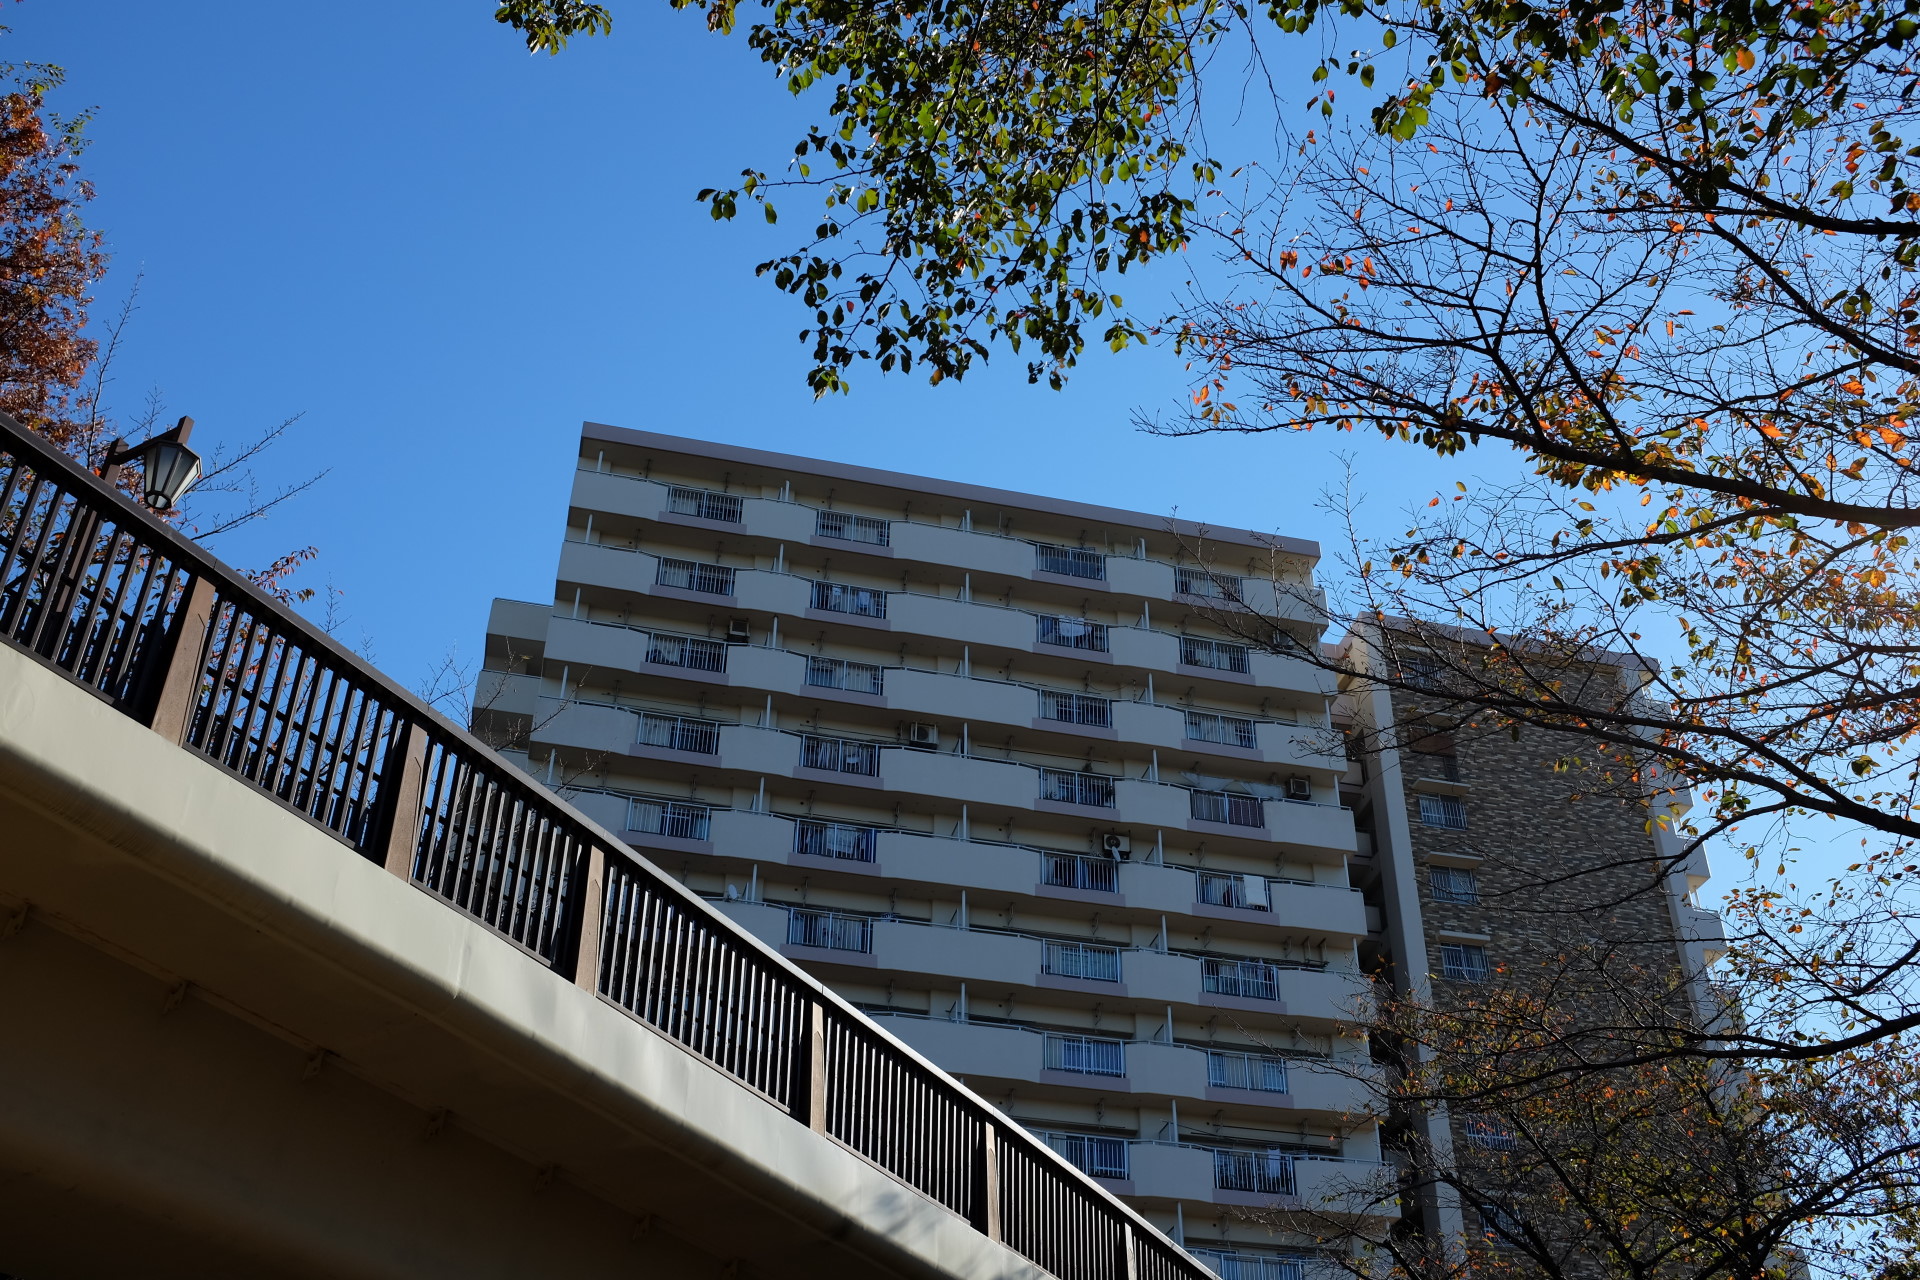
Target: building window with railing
(1259,1072)
(1220,655)
(1232,731)
(1245,979)
(835,840)
(1077,708)
(704,503)
(1089,960)
(1267,1173)
(1250,1266)
(838,597)
(839,673)
(686,651)
(1071,561)
(1077,871)
(673,818)
(1073,633)
(1226,807)
(1222,889)
(1489,1133)
(1064,786)
(1443,811)
(691,575)
(1212,585)
(1085,1055)
(1453,884)
(678,733)
(1463,962)
(831,930)
(850,528)
(840,755)
(1094,1156)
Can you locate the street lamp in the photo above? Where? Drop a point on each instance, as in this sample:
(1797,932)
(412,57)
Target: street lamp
(168,468)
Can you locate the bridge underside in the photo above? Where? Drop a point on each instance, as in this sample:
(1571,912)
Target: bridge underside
(231,1048)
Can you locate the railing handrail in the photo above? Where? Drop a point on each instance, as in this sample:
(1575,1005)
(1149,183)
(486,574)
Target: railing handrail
(90,492)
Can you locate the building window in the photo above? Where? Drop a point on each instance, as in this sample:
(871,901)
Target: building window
(678,733)
(1076,708)
(1488,1132)
(1463,963)
(834,840)
(1096,1157)
(669,818)
(1085,1055)
(686,651)
(1255,1071)
(1088,960)
(1076,871)
(1234,731)
(1063,786)
(704,503)
(1071,561)
(1444,811)
(1222,889)
(1263,1172)
(1220,655)
(1207,583)
(1500,1228)
(690,575)
(850,528)
(831,930)
(1225,807)
(840,755)
(838,673)
(1246,979)
(838,597)
(1453,884)
(1073,633)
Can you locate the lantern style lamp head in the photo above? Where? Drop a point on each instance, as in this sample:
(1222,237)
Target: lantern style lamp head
(168,468)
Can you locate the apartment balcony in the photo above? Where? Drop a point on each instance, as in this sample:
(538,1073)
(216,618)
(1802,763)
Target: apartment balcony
(651,501)
(506,693)
(1252,1179)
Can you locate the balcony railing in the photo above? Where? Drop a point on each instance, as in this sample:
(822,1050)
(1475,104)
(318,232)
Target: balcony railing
(1088,960)
(850,528)
(838,673)
(690,575)
(1443,811)
(838,597)
(1267,1173)
(1077,871)
(686,651)
(840,755)
(678,733)
(119,603)
(1250,1266)
(1232,731)
(1189,581)
(1095,1156)
(1221,655)
(1071,561)
(834,840)
(1077,708)
(669,818)
(1064,786)
(829,929)
(704,503)
(1256,1071)
(1084,1055)
(1073,633)
(1226,807)
(1220,889)
(1246,979)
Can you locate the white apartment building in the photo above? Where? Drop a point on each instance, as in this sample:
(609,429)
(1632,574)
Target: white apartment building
(980,761)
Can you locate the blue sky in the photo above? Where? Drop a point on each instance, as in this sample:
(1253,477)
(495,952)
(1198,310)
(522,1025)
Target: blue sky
(447,254)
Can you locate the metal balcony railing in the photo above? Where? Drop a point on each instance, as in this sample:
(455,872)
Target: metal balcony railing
(1071,561)
(1064,786)
(840,755)
(834,840)
(1443,811)
(1226,807)
(1073,633)
(669,818)
(1221,889)
(686,651)
(1077,871)
(1247,979)
(1088,960)
(1232,731)
(1076,708)
(1256,1071)
(678,733)
(1093,1155)
(1268,1173)
(839,673)
(850,528)
(838,597)
(704,503)
(829,929)
(1207,583)
(1084,1055)
(1221,655)
(99,590)
(691,575)
(1250,1266)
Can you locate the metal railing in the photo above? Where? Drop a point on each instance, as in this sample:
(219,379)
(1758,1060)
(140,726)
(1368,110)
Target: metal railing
(122,605)
(838,597)
(1064,786)
(1226,807)
(1078,871)
(832,930)
(834,840)
(1257,1071)
(1232,731)
(1084,1055)
(1189,581)
(1250,1266)
(1077,708)
(674,818)
(1247,979)
(840,755)
(1071,561)
(1091,1154)
(691,575)
(850,528)
(1072,633)
(678,733)
(669,650)
(704,503)
(1221,655)
(1089,960)
(1223,889)
(839,673)
(1443,811)
(1268,1173)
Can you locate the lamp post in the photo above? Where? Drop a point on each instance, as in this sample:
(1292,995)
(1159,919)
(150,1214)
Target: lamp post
(168,468)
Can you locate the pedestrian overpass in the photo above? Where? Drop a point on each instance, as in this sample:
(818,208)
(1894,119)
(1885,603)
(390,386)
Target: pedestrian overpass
(300,980)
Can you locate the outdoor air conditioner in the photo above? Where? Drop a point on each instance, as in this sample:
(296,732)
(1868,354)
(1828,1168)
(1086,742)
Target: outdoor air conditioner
(738,631)
(1299,788)
(1115,845)
(923,734)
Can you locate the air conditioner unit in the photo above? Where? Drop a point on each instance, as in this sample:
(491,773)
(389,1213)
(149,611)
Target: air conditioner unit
(1115,845)
(1299,788)
(923,734)
(738,631)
